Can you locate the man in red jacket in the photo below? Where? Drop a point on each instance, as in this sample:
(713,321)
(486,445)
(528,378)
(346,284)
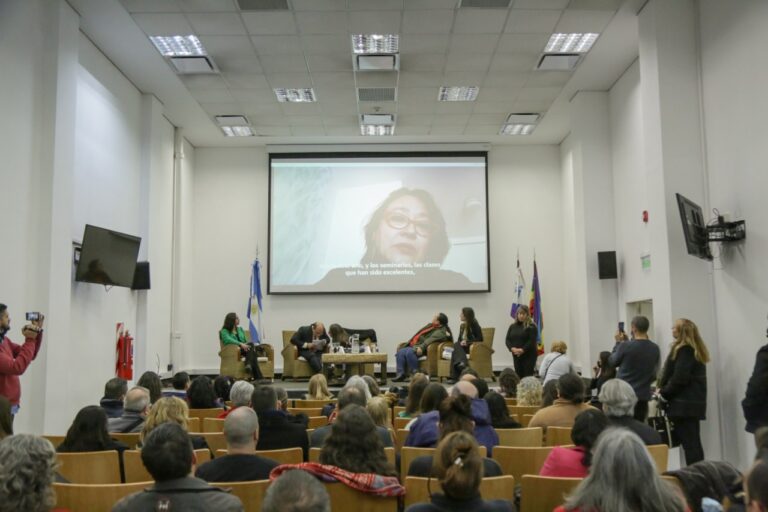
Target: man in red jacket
(14,359)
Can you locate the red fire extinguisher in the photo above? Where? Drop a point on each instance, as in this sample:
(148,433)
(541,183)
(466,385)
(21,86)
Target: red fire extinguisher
(124,366)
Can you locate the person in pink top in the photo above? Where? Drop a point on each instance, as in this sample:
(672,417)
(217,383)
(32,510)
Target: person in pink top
(14,359)
(574,462)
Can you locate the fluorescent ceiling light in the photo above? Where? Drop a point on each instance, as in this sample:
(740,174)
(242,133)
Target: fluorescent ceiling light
(377,119)
(373,129)
(375,43)
(237,131)
(178,46)
(295,95)
(457,93)
(232,120)
(517,129)
(570,43)
(526,118)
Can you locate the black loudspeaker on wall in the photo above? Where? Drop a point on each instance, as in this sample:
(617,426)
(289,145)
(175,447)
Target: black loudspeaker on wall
(141,276)
(606,265)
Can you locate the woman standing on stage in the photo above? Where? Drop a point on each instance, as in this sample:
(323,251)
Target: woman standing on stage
(521,341)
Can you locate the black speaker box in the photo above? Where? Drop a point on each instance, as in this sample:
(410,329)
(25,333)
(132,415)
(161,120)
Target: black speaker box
(141,276)
(606,265)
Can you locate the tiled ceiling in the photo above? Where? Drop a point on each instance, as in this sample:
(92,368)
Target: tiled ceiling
(309,45)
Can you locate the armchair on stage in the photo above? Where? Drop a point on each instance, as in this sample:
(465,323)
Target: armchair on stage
(479,357)
(233,364)
(428,362)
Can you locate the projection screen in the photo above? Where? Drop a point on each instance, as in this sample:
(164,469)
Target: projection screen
(372,223)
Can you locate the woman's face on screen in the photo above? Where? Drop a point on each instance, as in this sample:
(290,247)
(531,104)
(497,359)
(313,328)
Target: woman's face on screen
(404,234)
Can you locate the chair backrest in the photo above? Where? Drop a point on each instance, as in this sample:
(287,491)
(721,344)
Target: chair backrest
(518,461)
(544,493)
(309,411)
(660,455)
(525,420)
(136,472)
(205,413)
(213,425)
(407,454)
(491,488)
(285,456)
(519,410)
(130,439)
(400,436)
(250,493)
(510,401)
(317,421)
(398,409)
(314,454)
(94,497)
(342,496)
(311,404)
(90,467)
(559,436)
(287,335)
(55,440)
(531,437)
(400,423)
(193,424)
(488,334)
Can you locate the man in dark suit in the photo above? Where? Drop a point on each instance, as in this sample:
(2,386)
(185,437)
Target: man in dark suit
(276,431)
(311,340)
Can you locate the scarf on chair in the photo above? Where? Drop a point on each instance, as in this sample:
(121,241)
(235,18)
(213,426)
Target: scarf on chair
(369,483)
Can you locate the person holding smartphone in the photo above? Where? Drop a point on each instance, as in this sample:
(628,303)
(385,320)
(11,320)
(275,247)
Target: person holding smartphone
(14,359)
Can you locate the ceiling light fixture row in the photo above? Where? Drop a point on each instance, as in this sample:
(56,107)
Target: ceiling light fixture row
(457,93)
(520,124)
(235,125)
(301,95)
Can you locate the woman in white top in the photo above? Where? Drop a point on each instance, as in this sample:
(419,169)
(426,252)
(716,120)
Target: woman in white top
(556,363)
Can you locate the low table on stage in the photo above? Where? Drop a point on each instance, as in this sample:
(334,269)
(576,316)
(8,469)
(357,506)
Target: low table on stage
(373,358)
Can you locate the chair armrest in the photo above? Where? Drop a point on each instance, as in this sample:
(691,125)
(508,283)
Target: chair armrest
(269,351)
(481,349)
(290,352)
(402,345)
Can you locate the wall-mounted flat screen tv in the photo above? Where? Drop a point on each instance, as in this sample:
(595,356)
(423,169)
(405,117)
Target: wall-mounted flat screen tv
(107,257)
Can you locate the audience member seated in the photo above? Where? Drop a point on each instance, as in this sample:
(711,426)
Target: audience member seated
(355,445)
(276,432)
(378,408)
(222,387)
(373,387)
(549,393)
(569,403)
(556,364)
(458,467)
(619,400)
(469,374)
(241,464)
(424,431)
(239,395)
(282,397)
(200,394)
(529,392)
(707,479)
(500,417)
(350,395)
(170,409)
(318,388)
(180,383)
(623,476)
(152,382)
(114,393)
(27,472)
(354,381)
(167,454)
(755,486)
(455,416)
(135,412)
(508,381)
(574,462)
(482,387)
(296,491)
(88,433)
(416,388)
(407,358)
(6,420)
(433,395)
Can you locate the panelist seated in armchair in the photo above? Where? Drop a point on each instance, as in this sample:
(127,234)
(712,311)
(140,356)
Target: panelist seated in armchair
(232,334)
(469,333)
(311,340)
(341,335)
(407,358)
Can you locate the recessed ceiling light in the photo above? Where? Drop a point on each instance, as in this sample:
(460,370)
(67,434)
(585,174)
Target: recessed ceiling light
(377,119)
(237,131)
(517,129)
(295,95)
(570,43)
(522,118)
(375,43)
(373,129)
(232,120)
(457,93)
(178,46)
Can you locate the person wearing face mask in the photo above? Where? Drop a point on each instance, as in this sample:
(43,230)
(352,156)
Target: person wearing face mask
(755,403)
(14,359)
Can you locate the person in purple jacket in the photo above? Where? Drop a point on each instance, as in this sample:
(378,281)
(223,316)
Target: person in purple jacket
(425,431)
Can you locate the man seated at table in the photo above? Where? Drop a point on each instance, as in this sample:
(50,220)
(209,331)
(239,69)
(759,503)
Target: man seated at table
(407,358)
(311,340)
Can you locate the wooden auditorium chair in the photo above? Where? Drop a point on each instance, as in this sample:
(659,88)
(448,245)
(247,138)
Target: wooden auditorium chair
(544,493)
(94,497)
(90,467)
(559,436)
(250,493)
(417,490)
(530,437)
(346,498)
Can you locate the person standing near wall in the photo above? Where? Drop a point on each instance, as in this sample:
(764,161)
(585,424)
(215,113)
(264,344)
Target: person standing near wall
(755,403)
(14,359)
(683,386)
(638,363)
(521,341)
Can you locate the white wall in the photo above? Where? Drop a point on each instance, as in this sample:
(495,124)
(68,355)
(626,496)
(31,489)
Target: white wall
(735,110)
(230,222)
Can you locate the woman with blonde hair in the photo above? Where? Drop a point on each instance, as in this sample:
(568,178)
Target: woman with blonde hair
(458,466)
(318,388)
(683,386)
(170,409)
(378,408)
(529,392)
(556,363)
(521,342)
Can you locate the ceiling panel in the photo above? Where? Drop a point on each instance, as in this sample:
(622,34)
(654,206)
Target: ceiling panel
(276,119)
(331,22)
(584,21)
(468,78)
(227,45)
(484,130)
(331,120)
(207,5)
(221,108)
(246,80)
(522,43)
(540,4)
(480,21)
(468,62)
(300,109)
(217,24)
(269,23)
(329,62)
(319,5)
(260,108)
(376,4)
(421,79)
(531,105)
(514,62)
(306,120)
(473,43)
(504,107)
(343,130)
(539,93)
(334,79)
(333,43)
(414,119)
(428,22)
(203,81)
(421,62)
(212,95)
(239,64)
(283,63)
(608,5)
(549,78)
(431,4)
(253,95)
(277,45)
(273,131)
(496,119)
(412,130)
(374,22)
(423,43)
(163,24)
(524,21)
(415,95)
(496,94)
(289,80)
(376,79)
(454,107)
(384,107)
(338,108)
(150,5)
(311,131)
(506,78)
(451,119)
(446,130)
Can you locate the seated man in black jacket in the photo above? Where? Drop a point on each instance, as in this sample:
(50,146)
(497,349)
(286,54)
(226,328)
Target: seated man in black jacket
(167,454)
(276,431)
(619,399)
(114,393)
(311,341)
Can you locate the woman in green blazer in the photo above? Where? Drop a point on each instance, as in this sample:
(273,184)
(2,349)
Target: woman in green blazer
(232,334)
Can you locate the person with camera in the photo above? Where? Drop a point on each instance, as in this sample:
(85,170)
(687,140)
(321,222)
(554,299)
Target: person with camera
(14,359)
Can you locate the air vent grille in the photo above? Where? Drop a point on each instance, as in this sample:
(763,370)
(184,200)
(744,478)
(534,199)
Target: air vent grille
(497,4)
(376,94)
(263,5)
